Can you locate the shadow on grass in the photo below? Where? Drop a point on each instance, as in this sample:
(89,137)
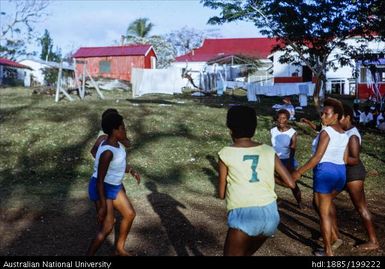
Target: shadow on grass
(52,222)
(180,232)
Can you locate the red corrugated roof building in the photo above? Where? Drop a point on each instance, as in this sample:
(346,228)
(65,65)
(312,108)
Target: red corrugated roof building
(114,62)
(214,48)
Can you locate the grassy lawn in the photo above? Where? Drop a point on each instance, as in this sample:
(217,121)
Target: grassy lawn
(45,158)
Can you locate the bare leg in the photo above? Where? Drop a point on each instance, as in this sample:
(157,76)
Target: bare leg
(333,215)
(123,205)
(325,203)
(239,243)
(256,243)
(357,195)
(104,230)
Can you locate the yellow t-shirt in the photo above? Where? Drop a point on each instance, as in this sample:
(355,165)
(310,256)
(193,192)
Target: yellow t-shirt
(250,176)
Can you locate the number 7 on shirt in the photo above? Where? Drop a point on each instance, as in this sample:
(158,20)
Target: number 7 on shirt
(254,163)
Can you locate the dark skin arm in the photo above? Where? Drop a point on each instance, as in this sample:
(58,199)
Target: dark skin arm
(104,163)
(97,143)
(133,173)
(293,145)
(315,159)
(354,150)
(222,169)
(311,124)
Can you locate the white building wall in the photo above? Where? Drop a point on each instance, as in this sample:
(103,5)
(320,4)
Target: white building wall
(36,72)
(341,76)
(284,69)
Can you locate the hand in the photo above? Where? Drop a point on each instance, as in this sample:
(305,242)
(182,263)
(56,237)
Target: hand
(304,120)
(136,175)
(101,214)
(296,175)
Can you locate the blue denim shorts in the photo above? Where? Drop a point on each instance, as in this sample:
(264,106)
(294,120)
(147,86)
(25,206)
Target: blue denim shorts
(328,177)
(255,220)
(110,191)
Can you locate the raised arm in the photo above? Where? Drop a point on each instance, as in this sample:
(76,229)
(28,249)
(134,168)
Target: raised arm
(222,169)
(310,124)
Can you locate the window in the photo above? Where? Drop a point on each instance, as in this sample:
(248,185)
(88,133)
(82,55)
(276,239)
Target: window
(363,74)
(104,67)
(338,86)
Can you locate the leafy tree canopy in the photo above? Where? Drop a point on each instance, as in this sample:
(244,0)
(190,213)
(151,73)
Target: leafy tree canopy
(308,31)
(47,53)
(17,25)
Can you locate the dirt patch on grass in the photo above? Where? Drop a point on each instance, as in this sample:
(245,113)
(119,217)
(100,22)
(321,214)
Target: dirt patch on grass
(169,226)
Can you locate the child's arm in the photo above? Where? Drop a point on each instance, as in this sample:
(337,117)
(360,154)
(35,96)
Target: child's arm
(293,145)
(353,151)
(222,169)
(315,159)
(310,124)
(284,178)
(133,173)
(104,163)
(97,143)
(125,141)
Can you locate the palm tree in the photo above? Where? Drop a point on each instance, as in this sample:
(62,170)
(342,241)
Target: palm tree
(139,28)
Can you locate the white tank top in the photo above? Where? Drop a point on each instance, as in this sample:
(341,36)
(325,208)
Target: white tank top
(117,167)
(281,142)
(336,148)
(354,131)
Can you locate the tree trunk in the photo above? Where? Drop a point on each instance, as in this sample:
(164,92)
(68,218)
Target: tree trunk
(316,92)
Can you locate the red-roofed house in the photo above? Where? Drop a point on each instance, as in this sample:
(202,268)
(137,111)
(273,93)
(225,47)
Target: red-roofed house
(114,62)
(213,48)
(222,49)
(11,73)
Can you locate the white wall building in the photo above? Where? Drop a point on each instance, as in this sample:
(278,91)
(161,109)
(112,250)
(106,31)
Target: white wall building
(35,76)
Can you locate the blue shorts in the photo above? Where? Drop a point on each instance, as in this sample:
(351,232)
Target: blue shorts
(294,163)
(328,177)
(255,220)
(110,191)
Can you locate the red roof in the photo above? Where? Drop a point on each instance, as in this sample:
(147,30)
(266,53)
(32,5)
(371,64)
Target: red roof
(130,50)
(7,62)
(212,48)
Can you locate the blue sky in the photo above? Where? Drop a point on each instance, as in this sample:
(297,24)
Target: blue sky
(75,23)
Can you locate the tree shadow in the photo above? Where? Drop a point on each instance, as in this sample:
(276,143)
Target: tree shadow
(181,233)
(39,214)
(212,172)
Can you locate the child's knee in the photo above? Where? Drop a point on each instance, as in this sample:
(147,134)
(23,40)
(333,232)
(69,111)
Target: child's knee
(131,214)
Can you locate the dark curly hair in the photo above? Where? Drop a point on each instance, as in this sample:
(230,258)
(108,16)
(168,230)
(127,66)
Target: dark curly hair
(108,111)
(242,121)
(336,105)
(348,111)
(110,122)
(283,111)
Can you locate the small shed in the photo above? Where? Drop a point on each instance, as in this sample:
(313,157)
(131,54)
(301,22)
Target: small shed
(114,62)
(11,72)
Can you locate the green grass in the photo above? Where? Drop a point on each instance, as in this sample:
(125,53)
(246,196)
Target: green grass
(45,145)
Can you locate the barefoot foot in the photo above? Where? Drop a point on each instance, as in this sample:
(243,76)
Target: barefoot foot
(368,246)
(123,252)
